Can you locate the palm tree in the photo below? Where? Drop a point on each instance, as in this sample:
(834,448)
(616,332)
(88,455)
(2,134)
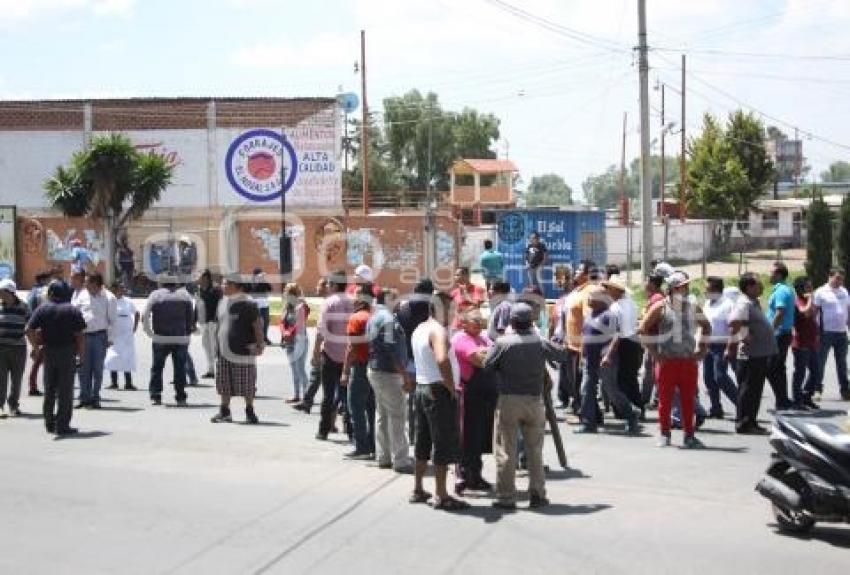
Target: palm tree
(110,179)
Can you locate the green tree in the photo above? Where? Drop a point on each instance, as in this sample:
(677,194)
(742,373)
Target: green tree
(109,179)
(837,172)
(844,235)
(819,241)
(423,140)
(603,190)
(383,175)
(548,190)
(745,134)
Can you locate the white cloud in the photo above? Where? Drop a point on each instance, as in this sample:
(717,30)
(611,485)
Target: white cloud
(16,11)
(319,51)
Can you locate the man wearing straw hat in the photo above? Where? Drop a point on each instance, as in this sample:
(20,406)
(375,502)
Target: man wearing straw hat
(629,350)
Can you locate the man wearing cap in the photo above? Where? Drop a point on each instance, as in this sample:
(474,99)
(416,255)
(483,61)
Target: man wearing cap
(629,350)
(669,332)
(600,363)
(14,314)
(363,274)
(55,333)
(520,360)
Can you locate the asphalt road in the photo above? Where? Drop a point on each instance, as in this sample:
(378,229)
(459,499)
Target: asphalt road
(147,490)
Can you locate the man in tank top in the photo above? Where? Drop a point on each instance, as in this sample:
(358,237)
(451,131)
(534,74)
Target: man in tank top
(436,405)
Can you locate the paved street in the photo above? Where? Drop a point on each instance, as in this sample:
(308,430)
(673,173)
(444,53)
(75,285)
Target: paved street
(162,490)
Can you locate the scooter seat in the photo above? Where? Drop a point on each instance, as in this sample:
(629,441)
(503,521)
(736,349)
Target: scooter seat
(829,437)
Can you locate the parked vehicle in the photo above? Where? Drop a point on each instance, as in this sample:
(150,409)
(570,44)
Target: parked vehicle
(809,478)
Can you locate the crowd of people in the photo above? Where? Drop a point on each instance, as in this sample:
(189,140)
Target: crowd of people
(432,370)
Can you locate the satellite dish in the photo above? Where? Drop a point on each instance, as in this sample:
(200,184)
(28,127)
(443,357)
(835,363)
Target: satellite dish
(348,102)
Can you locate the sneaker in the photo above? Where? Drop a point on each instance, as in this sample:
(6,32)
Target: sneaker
(156,400)
(35,393)
(81,405)
(692,442)
(404,469)
(537,501)
(130,387)
(223,416)
(356,456)
(208,375)
(322,436)
(250,416)
(817,396)
(663,440)
(94,404)
(845,394)
(112,386)
(181,402)
(3,413)
(66,432)
(302,407)
(633,427)
(50,426)
(585,429)
(14,411)
(715,414)
(807,402)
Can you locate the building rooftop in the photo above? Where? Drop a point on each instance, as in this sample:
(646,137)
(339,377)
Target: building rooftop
(468,165)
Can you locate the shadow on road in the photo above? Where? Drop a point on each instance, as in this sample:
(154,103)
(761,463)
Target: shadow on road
(559,509)
(121,408)
(836,536)
(191,406)
(264,424)
(718,449)
(83,435)
(569,473)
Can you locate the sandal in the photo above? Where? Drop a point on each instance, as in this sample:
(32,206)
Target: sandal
(451,504)
(419,497)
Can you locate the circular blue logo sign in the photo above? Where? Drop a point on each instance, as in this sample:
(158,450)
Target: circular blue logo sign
(253,165)
(511,228)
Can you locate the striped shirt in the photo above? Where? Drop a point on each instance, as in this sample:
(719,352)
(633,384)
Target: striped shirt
(13,321)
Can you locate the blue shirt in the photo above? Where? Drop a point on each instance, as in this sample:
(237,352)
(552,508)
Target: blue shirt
(387,344)
(492,263)
(781,297)
(80,258)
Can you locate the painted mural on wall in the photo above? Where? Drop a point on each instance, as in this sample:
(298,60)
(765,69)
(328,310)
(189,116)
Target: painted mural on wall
(271,244)
(329,239)
(8,265)
(445,249)
(403,255)
(59,247)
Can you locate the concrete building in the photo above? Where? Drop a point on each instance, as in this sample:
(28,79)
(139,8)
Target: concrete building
(228,155)
(481,187)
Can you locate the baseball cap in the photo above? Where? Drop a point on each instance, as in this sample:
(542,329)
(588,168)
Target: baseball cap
(8,285)
(677,279)
(363,272)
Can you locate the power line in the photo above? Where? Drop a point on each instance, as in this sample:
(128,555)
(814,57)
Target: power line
(560,29)
(765,55)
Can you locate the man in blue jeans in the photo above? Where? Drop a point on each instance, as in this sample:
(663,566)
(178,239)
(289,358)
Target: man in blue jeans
(98,307)
(833,305)
(780,313)
(361,398)
(169,319)
(715,366)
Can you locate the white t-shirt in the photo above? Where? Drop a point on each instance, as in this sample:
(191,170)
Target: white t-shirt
(626,313)
(717,312)
(427,370)
(835,306)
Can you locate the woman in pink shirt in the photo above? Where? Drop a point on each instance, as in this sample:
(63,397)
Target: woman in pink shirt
(478,399)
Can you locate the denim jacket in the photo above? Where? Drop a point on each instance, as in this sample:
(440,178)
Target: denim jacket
(387,346)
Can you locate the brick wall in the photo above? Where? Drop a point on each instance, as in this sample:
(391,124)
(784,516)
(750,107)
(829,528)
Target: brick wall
(157,113)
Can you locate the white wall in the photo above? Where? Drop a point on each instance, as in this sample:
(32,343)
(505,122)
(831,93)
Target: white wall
(685,241)
(473,245)
(28,158)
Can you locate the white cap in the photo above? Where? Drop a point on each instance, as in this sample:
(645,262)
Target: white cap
(364,272)
(8,285)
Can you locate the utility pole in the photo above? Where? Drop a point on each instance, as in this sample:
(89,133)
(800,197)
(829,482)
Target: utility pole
(364,128)
(798,162)
(645,176)
(663,179)
(625,217)
(683,210)
(285,246)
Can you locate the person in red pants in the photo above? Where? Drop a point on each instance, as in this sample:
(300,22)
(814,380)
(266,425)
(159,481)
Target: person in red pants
(669,332)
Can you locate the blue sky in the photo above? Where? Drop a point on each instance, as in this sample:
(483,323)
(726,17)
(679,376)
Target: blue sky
(560,87)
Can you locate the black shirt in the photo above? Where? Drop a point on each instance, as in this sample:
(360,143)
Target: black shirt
(211,297)
(238,325)
(58,322)
(410,314)
(534,255)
